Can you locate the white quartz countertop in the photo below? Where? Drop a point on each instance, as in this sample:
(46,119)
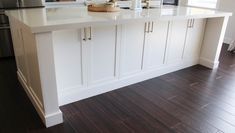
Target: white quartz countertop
(52,19)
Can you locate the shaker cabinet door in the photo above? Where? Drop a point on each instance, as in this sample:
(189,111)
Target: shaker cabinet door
(132,44)
(194,39)
(176,41)
(19,50)
(69,59)
(155,47)
(102,54)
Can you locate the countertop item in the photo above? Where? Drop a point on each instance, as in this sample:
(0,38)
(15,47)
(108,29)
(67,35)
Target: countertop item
(51,19)
(106,7)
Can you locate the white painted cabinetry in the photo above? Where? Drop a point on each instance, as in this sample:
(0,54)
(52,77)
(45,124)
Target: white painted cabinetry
(93,60)
(105,53)
(155,44)
(102,54)
(132,44)
(185,40)
(176,41)
(19,50)
(70,57)
(85,57)
(195,34)
(27,61)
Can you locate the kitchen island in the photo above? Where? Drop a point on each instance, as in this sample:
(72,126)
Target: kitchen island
(68,54)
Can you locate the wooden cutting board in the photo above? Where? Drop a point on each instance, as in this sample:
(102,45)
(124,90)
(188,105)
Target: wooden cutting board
(104,8)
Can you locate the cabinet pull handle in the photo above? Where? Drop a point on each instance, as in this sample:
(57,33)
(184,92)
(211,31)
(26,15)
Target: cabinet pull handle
(90,33)
(189,21)
(152,28)
(145,28)
(193,22)
(149,27)
(85,35)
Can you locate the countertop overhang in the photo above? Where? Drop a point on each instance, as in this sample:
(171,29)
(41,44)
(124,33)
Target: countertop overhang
(53,19)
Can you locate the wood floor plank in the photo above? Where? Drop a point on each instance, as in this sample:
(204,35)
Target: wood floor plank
(170,121)
(181,83)
(223,124)
(182,114)
(140,117)
(101,119)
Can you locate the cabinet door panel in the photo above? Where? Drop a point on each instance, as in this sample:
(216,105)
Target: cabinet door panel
(194,39)
(155,49)
(132,43)
(32,63)
(102,54)
(19,50)
(177,41)
(69,59)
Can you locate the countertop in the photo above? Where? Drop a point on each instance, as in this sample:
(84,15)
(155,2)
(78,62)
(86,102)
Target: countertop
(52,19)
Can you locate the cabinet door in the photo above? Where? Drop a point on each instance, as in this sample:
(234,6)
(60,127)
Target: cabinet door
(176,40)
(102,54)
(132,43)
(155,48)
(19,50)
(194,39)
(69,59)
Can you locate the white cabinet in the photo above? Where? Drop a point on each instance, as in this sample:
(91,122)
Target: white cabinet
(194,38)
(132,44)
(85,57)
(155,44)
(96,55)
(69,59)
(102,54)
(185,40)
(176,41)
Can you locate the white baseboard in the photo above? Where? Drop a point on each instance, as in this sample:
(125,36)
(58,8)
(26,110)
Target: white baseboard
(209,63)
(53,119)
(49,119)
(66,97)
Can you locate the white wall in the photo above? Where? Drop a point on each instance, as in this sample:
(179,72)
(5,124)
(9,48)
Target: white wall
(229,5)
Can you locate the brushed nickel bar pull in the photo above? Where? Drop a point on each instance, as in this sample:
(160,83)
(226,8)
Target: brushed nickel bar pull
(189,21)
(145,27)
(90,33)
(85,35)
(152,27)
(148,27)
(193,23)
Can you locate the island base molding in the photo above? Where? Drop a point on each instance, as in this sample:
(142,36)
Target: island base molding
(49,119)
(209,63)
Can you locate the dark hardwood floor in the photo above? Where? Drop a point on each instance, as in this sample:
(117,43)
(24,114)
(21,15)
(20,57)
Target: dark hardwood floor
(193,100)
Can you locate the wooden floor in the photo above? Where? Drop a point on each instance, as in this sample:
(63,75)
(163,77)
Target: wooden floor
(193,100)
